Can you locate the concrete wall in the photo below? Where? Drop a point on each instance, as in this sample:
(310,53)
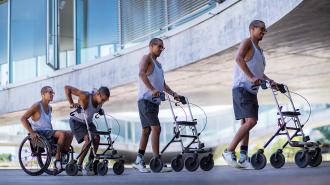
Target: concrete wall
(221,28)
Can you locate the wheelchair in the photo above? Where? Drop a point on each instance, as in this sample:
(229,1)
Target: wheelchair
(38,156)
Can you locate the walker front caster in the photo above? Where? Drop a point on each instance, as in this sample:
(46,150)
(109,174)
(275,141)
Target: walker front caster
(258,160)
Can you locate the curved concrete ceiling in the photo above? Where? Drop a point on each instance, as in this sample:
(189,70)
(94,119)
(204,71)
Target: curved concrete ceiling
(297,50)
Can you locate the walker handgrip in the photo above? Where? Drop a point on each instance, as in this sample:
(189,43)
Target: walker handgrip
(281,88)
(183,100)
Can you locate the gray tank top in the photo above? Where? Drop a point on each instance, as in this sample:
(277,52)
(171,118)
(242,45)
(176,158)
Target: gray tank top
(256,65)
(156,78)
(90,111)
(44,122)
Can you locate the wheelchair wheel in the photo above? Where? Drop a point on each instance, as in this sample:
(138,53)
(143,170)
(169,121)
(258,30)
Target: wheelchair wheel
(277,160)
(156,164)
(102,168)
(258,160)
(71,168)
(207,162)
(118,168)
(192,163)
(177,163)
(30,152)
(302,158)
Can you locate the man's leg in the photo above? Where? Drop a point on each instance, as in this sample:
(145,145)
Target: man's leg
(144,140)
(68,141)
(244,145)
(84,150)
(155,133)
(242,133)
(96,142)
(60,137)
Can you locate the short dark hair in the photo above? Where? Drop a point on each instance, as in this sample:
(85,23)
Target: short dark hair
(155,41)
(104,91)
(44,89)
(255,23)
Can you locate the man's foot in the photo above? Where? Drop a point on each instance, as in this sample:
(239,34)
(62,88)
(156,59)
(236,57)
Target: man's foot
(89,168)
(80,173)
(230,158)
(57,167)
(245,164)
(140,166)
(166,169)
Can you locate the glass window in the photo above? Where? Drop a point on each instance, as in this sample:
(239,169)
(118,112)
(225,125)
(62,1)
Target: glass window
(66,41)
(28,38)
(97,29)
(3,42)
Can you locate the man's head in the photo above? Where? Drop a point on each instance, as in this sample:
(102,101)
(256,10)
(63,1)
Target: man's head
(156,46)
(257,29)
(47,93)
(102,95)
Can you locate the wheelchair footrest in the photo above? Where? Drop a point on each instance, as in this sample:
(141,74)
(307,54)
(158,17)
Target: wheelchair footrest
(290,113)
(102,133)
(187,123)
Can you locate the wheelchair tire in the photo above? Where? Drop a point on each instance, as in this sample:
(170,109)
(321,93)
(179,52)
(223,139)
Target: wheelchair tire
(39,148)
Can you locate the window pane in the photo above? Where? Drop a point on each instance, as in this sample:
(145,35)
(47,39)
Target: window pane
(97,28)
(28,37)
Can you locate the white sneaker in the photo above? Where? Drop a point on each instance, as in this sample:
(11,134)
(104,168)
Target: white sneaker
(141,167)
(230,158)
(245,164)
(166,169)
(80,173)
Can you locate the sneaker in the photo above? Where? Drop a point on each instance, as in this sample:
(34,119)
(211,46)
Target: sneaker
(140,166)
(89,167)
(80,173)
(230,158)
(166,169)
(57,167)
(245,164)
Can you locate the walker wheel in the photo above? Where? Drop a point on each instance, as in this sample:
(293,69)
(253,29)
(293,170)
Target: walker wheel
(118,167)
(192,163)
(258,161)
(177,163)
(102,168)
(302,158)
(207,163)
(156,164)
(277,160)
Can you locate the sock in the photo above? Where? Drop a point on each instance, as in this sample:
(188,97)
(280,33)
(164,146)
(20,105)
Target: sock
(139,156)
(243,153)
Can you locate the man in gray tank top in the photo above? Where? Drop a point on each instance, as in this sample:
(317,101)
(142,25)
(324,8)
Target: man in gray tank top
(249,70)
(151,83)
(37,121)
(92,103)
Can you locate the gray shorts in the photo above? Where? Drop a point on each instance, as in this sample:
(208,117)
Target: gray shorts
(148,112)
(48,134)
(245,104)
(79,129)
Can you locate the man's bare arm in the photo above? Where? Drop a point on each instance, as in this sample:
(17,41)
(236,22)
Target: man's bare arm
(143,72)
(24,119)
(243,49)
(69,91)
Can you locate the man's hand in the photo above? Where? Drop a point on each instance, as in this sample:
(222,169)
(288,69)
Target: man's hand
(34,136)
(176,96)
(155,93)
(255,81)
